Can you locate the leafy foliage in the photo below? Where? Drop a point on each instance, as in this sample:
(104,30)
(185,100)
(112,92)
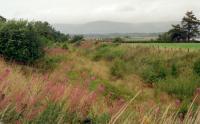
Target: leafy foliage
(188,29)
(119,68)
(190,25)
(154,72)
(19,41)
(2,19)
(118,40)
(196,67)
(77,38)
(44,29)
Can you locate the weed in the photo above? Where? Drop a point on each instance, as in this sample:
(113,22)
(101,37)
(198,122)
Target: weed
(196,67)
(119,68)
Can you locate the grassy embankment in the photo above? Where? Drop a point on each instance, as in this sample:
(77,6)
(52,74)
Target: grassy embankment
(93,82)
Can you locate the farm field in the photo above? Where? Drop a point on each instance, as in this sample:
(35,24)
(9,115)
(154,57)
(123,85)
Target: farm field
(192,46)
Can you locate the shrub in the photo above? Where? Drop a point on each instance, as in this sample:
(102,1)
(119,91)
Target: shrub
(44,29)
(100,119)
(174,70)
(20,42)
(2,19)
(119,68)
(48,63)
(72,75)
(77,38)
(116,92)
(117,40)
(100,52)
(108,52)
(182,88)
(196,67)
(65,46)
(154,72)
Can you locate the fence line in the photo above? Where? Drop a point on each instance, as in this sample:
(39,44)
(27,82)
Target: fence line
(188,50)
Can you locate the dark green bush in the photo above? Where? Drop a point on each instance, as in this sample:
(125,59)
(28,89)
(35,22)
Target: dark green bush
(154,72)
(174,70)
(100,52)
(65,46)
(2,19)
(48,63)
(44,29)
(20,42)
(119,68)
(196,67)
(108,52)
(117,40)
(77,38)
(182,87)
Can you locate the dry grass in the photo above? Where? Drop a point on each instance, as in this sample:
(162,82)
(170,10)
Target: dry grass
(146,107)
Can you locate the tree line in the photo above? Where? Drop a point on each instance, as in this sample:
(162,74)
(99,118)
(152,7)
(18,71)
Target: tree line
(187,31)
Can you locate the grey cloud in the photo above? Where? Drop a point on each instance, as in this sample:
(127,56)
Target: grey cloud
(127,8)
(81,11)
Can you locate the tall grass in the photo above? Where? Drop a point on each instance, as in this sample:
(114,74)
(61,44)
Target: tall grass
(72,93)
(38,100)
(175,72)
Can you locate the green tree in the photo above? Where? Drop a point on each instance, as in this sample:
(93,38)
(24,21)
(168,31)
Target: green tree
(190,25)
(117,40)
(77,38)
(165,37)
(177,33)
(20,42)
(2,19)
(188,29)
(46,31)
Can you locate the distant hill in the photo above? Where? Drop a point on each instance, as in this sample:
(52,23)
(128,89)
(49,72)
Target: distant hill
(105,27)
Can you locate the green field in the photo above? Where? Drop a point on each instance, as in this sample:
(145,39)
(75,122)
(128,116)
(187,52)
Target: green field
(195,46)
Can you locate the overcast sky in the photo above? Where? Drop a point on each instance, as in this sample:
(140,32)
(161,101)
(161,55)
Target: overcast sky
(81,11)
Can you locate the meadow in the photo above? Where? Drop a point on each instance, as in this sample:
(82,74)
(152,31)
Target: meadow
(191,46)
(101,83)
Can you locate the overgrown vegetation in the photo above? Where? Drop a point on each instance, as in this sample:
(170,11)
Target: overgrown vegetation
(87,82)
(172,72)
(20,42)
(24,41)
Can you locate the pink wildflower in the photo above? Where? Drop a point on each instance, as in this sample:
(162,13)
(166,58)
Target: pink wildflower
(178,102)
(101,88)
(93,78)
(198,91)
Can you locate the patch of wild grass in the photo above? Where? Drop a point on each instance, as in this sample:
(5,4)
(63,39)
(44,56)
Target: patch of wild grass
(119,68)
(181,87)
(172,71)
(110,90)
(48,63)
(107,52)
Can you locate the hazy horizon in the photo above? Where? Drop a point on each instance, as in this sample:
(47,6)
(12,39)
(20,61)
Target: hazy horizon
(79,12)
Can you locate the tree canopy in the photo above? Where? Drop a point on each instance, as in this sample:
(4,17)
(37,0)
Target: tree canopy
(2,19)
(24,41)
(186,31)
(20,42)
(190,25)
